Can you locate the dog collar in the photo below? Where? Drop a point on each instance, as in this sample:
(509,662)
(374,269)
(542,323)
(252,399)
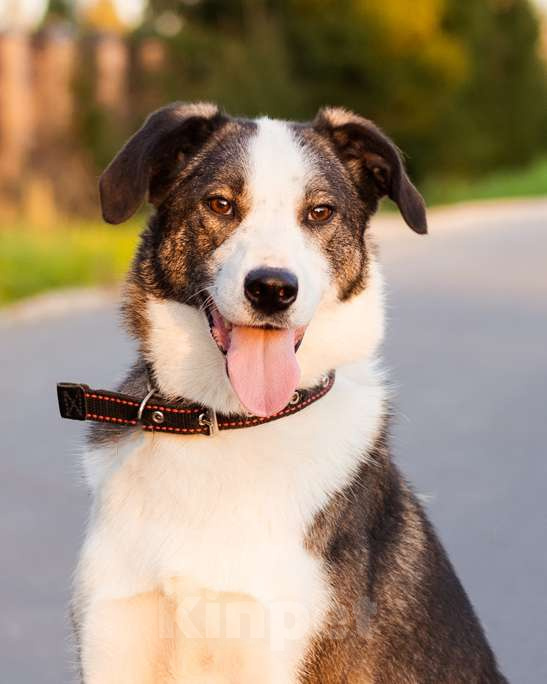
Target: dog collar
(153,414)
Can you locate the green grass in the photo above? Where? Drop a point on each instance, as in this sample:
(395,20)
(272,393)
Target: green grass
(33,260)
(528,182)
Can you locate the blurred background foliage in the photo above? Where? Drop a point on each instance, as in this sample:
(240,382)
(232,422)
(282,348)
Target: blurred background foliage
(461,86)
(76,253)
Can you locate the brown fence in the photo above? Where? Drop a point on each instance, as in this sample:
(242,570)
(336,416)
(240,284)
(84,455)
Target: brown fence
(52,86)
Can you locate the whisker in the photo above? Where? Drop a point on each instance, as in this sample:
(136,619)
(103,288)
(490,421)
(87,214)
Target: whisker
(195,294)
(206,302)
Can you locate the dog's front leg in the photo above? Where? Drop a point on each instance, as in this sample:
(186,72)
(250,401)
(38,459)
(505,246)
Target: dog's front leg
(122,639)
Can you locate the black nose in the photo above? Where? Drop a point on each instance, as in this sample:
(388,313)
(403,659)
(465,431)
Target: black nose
(271,290)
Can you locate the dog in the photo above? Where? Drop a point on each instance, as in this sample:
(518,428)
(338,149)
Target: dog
(272,539)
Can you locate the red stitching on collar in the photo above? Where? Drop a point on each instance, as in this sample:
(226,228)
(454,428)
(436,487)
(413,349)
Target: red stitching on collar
(173,410)
(287,411)
(166,428)
(71,396)
(89,395)
(110,419)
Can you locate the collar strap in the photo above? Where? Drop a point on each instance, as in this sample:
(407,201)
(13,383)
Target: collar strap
(153,414)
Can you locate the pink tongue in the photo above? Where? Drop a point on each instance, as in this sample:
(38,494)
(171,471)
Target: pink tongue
(263,369)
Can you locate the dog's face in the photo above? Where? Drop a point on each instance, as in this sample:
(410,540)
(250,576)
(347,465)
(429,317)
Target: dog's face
(254,275)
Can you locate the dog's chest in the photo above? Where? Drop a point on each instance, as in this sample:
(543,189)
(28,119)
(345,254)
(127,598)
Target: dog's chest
(230,513)
(203,518)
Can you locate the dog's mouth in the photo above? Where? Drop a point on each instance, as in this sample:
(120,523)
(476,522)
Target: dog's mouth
(260,361)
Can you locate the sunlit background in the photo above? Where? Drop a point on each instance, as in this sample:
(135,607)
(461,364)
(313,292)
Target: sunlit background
(461,86)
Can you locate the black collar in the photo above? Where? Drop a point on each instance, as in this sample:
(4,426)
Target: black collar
(154,414)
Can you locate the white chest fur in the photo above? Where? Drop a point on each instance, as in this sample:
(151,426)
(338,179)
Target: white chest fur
(229,514)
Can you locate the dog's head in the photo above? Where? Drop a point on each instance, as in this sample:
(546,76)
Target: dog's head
(254,274)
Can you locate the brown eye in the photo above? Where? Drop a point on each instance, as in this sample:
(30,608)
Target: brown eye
(320,214)
(220,205)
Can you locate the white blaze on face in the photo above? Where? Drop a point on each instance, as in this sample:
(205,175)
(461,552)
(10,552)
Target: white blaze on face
(271,233)
(261,364)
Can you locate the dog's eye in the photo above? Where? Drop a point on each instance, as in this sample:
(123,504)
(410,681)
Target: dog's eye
(321,213)
(220,205)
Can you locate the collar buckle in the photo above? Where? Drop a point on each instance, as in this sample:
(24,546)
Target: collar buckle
(209,420)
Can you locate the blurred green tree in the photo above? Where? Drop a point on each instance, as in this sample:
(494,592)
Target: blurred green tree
(459,85)
(500,113)
(393,62)
(60,10)
(234,53)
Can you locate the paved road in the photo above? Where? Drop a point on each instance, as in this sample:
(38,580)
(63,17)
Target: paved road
(467,353)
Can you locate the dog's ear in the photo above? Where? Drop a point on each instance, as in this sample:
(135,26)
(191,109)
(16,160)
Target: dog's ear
(369,155)
(149,161)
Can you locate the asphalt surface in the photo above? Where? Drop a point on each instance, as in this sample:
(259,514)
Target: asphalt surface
(467,356)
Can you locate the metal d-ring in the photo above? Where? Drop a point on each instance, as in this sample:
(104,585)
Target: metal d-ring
(325,380)
(143,403)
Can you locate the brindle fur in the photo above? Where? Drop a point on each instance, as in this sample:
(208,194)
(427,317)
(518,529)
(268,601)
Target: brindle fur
(399,613)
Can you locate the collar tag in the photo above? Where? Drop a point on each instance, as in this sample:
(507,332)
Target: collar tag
(209,419)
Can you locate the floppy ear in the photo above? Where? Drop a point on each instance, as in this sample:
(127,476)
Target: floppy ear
(149,161)
(370,155)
